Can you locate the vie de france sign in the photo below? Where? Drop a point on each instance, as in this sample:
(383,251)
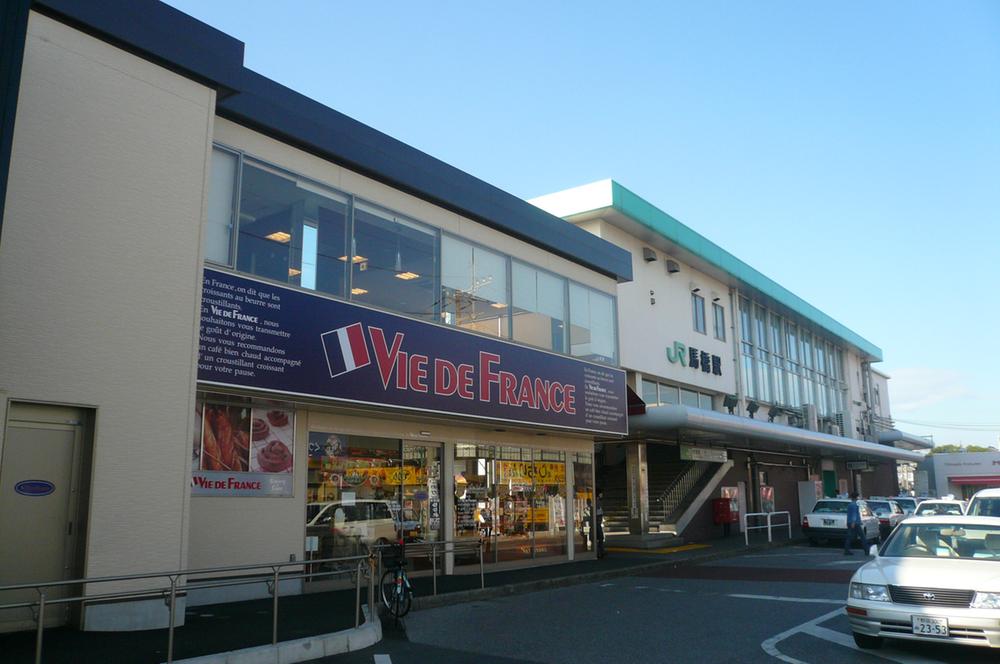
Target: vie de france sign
(269,337)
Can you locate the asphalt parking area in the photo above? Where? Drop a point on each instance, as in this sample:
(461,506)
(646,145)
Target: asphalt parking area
(785,605)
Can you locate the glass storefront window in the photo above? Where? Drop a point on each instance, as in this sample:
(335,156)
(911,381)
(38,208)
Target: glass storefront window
(583,502)
(420,490)
(291,230)
(352,493)
(592,324)
(393,263)
(548,504)
(539,307)
(473,287)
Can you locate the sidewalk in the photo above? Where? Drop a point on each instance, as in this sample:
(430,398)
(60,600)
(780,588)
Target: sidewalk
(223,627)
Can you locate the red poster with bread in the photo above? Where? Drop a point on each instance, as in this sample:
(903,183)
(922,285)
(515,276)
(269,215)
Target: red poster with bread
(225,443)
(272,436)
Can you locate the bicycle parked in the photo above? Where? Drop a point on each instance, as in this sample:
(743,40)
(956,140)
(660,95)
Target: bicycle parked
(397,593)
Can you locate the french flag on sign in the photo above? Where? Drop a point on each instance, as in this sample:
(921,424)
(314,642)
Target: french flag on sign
(345,349)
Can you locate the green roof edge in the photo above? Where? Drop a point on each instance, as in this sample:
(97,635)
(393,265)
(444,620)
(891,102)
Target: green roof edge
(628,203)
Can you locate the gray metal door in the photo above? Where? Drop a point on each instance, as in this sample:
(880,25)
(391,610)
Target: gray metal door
(38,503)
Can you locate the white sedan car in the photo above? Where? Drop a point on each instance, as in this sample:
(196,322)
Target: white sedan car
(828,521)
(937,578)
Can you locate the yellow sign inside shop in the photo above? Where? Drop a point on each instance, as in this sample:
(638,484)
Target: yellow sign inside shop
(378,476)
(523,472)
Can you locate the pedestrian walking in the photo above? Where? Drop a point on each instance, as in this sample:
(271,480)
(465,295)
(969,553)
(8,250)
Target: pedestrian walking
(855,529)
(599,522)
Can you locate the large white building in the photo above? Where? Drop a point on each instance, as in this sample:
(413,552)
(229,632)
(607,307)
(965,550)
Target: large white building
(704,335)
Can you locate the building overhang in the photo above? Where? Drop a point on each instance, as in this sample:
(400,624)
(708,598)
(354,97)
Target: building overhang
(905,441)
(694,424)
(614,203)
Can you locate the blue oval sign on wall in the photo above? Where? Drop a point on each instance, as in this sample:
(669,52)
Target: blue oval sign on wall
(34,487)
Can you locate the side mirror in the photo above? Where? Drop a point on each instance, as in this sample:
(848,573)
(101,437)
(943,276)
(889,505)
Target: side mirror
(873,551)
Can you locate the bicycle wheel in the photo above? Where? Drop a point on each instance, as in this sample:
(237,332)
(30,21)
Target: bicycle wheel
(397,600)
(387,588)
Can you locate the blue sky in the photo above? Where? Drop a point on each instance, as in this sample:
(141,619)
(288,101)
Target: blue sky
(848,150)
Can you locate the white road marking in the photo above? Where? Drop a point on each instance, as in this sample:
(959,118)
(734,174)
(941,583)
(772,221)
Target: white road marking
(844,640)
(605,585)
(671,590)
(770,646)
(383,659)
(778,598)
(640,587)
(847,562)
(812,628)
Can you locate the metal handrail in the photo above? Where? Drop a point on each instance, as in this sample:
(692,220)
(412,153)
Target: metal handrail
(432,554)
(176,587)
(768,525)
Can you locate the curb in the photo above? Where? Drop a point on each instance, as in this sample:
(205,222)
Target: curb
(445,599)
(301,650)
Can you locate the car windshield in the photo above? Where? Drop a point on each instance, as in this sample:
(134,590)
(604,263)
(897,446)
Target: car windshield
(880,507)
(935,540)
(906,503)
(937,509)
(985,507)
(829,506)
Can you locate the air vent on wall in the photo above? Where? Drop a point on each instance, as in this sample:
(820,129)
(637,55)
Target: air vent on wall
(648,255)
(673,267)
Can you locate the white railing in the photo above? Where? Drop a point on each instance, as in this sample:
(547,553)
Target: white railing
(768,524)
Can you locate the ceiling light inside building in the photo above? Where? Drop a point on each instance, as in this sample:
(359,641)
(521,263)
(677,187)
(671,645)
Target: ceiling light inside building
(406,276)
(292,272)
(356,259)
(358,291)
(279,236)
(498,305)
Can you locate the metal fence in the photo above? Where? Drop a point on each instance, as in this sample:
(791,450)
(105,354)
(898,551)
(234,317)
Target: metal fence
(180,582)
(433,551)
(768,524)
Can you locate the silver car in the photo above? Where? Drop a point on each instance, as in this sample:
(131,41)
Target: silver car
(937,578)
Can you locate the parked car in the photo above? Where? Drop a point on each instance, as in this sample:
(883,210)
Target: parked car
(908,503)
(940,507)
(985,503)
(937,578)
(889,514)
(364,521)
(828,521)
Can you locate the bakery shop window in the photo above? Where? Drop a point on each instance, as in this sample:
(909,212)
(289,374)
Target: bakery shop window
(352,494)
(242,449)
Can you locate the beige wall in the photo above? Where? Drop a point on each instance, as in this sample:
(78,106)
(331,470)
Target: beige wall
(260,146)
(646,330)
(99,276)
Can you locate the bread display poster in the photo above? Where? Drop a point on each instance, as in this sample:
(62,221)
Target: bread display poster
(243,451)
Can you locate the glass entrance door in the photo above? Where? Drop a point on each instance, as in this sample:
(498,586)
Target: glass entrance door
(419,503)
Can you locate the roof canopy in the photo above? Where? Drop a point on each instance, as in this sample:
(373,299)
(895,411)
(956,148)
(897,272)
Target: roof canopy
(673,419)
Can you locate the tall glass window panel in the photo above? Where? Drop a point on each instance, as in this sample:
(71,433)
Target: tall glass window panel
(393,263)
(719,318)
(218,237)
(592,324)
(473,287)
(704,401)
(539,307)
(746,328)
(748,375)
(548,505)
(689,398)
(698,312)
(669,394)
(777,384)
(288,227)
(649,395)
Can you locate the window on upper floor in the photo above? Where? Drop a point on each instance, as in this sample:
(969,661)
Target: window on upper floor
(592,324)
(474,292)
(290,230)
(698,312)
(719,316)
(218,235)
(539,307)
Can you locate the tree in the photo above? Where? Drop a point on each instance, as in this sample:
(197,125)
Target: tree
(950,448)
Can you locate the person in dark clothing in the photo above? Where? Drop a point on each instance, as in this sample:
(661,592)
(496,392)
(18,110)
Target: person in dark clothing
(855,529)
(599,522)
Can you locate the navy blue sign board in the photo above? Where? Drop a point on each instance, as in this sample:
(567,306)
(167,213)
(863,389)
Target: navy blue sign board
(269,337)
(34,488)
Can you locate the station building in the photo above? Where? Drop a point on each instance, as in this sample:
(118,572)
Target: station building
(241,327)
(738,387)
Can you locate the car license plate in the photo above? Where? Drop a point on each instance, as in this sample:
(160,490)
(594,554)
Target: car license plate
(828,522)
(928,626)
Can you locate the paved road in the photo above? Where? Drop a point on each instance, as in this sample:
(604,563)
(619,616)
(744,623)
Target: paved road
(785,605)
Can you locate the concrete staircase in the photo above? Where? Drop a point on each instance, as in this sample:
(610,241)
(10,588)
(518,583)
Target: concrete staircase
(662,476)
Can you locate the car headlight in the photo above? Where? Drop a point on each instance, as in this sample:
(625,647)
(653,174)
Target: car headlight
(870,592)
(986,601)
